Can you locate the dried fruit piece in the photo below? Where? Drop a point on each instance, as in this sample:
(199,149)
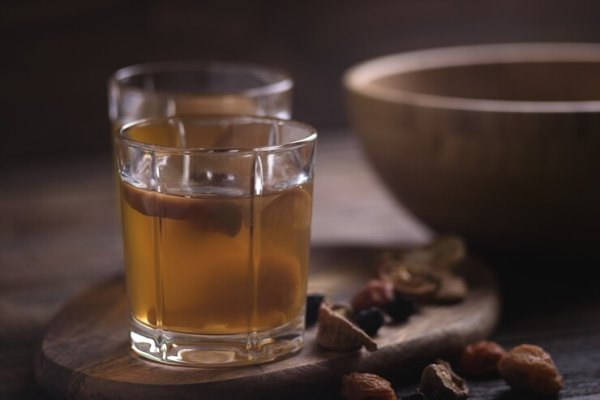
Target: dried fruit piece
(296,203)
(529,368)
(313,303)
(339,334)
(412,281)
(416,276)
(444,253)
(370,320)
(401,308)
(343,309)
(211,215)
(447,251)
(452,289)
(481,358)
(376,293)
(439,382)
(357,386)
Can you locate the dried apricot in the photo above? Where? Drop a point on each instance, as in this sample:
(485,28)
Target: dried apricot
(357,386)
(529,368)
(481,358)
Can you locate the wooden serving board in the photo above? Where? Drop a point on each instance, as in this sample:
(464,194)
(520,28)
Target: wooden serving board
(85,353)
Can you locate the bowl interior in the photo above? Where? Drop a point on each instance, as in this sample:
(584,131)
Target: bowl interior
(514,81)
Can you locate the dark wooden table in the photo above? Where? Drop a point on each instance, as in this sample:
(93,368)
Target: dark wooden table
(59,235)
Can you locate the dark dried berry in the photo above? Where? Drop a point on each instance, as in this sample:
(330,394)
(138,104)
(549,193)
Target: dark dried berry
(370,320)
(416,396)
(439,382)
(400,308)
(313,303)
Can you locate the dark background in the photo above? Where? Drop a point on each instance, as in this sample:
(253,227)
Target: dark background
(57,55)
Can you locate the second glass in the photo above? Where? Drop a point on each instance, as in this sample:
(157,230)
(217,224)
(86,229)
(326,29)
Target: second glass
(198,88)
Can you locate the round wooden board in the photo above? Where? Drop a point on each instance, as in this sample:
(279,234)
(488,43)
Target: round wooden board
(85,353)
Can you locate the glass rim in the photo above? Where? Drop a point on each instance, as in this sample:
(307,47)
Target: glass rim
(280,85)
(310,137)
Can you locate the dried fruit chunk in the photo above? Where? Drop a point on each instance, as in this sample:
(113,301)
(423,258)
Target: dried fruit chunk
(376,293)
(357,386)
(425,274)
(337,333)
(481,358)
(417,282)
(370,320)
(444,253)
(313,303)
(529,368)
(293,208)
(344,310)
(211,215)
(447,251)
(439,382)
(452,289)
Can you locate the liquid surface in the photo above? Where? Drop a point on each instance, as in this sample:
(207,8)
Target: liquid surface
(216,265)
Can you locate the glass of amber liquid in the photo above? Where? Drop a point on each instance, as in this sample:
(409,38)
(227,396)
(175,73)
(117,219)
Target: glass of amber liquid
(216,215)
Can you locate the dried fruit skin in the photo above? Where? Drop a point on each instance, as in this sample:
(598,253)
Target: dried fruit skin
(529,368)
(376,293)
(343,309)
(337,333)
(426,273)
(417,282)
(370,320)
(452,289)
(439,382)
(481,358)
(444,253)
(357,386)
(447,251)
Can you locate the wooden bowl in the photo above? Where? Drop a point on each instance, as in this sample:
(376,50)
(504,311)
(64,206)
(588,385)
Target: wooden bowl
(500,143)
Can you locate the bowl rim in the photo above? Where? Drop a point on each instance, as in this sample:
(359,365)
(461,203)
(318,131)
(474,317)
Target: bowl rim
(359,77)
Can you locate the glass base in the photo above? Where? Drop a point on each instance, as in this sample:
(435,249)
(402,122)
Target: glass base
(217,350)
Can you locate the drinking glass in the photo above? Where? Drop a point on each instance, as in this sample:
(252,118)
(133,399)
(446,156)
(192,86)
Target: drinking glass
(216,215)
(190,88)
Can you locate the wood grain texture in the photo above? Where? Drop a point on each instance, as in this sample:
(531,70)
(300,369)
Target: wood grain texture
(85,353)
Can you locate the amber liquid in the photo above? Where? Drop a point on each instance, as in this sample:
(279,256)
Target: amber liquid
(216,264)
